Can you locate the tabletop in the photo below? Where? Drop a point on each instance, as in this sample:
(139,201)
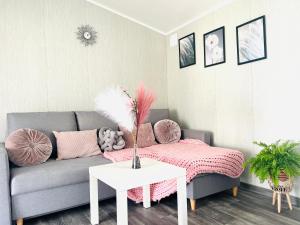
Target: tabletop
(121,176)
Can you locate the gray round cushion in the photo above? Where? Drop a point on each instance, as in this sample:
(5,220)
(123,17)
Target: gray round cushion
(27,147)
(167,131)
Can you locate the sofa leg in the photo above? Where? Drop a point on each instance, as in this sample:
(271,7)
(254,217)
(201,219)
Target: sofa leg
(193,204)
(20,221)
(235,191)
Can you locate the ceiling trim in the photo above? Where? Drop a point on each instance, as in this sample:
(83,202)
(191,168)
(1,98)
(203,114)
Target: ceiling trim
(125,16)
(205,13)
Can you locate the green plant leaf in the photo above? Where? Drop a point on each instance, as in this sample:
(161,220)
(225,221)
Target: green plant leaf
(277,156)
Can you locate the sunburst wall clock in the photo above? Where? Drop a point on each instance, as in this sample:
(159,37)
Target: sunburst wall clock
(87,35)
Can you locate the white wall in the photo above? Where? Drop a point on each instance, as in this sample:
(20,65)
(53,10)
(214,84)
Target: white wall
(239,104)
(43,67)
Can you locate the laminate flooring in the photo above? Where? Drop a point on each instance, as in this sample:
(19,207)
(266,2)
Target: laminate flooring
(252,206)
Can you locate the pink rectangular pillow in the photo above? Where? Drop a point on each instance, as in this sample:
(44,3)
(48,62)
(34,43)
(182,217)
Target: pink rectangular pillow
(145,136)
(75,144)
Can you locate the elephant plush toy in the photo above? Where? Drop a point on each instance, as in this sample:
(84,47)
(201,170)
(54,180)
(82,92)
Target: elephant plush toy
(110,140)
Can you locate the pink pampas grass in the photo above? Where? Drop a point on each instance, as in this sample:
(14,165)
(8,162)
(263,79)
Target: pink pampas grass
(116,104)
(144,100)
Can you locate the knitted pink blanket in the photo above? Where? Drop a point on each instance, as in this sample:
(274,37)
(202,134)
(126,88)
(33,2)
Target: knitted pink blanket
(194,155)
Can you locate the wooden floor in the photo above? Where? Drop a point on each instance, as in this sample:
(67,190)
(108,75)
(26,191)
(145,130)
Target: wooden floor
(250,207)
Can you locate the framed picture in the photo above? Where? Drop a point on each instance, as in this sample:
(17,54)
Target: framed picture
(251,41)
(187,51)
(214,47)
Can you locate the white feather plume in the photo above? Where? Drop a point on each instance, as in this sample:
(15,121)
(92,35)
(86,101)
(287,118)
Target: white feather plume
(114,104)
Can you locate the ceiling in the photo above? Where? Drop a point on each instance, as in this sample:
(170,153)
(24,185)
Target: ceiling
(163,16)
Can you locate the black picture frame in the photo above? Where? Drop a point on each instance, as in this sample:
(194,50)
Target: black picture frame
(264,56)
(191,58)
(223,46)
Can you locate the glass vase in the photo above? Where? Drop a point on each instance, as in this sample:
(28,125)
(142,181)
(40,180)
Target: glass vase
(136,164)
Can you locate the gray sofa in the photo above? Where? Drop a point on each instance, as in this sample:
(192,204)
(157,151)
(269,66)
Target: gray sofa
(57,185)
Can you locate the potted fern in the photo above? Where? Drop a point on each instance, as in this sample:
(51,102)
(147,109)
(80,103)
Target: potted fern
(278,163)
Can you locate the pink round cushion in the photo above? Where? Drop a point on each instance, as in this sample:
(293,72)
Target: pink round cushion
(28,147)
(167,131)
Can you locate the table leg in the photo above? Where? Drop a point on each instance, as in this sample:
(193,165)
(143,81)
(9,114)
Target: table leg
(94,207)
(122,208)
(181,201)
(146,196)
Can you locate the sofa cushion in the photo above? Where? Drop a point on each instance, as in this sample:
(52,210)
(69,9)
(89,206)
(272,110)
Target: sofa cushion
(145,136)
(28,147)
(167,131)
(93,120)
(77,144)
(45,122)
(53,173)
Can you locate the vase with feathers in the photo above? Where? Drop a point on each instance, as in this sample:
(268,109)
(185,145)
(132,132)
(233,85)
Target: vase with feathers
(117,104)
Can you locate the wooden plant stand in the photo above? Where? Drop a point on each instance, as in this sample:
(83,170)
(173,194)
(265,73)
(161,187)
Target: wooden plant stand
(283,188)
(277,195)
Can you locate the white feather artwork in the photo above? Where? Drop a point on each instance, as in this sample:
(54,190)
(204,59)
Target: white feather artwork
(116,105)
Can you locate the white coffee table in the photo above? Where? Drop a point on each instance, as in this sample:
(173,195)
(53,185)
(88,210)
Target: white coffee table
(121,177)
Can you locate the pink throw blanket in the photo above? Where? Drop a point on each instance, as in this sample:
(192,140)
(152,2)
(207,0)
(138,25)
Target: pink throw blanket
(194,155)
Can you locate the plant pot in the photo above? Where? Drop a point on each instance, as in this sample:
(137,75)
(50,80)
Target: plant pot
(282,176)
(285,183)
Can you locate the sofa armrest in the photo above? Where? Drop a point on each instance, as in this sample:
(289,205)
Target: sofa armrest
(204,136)
(5,205)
